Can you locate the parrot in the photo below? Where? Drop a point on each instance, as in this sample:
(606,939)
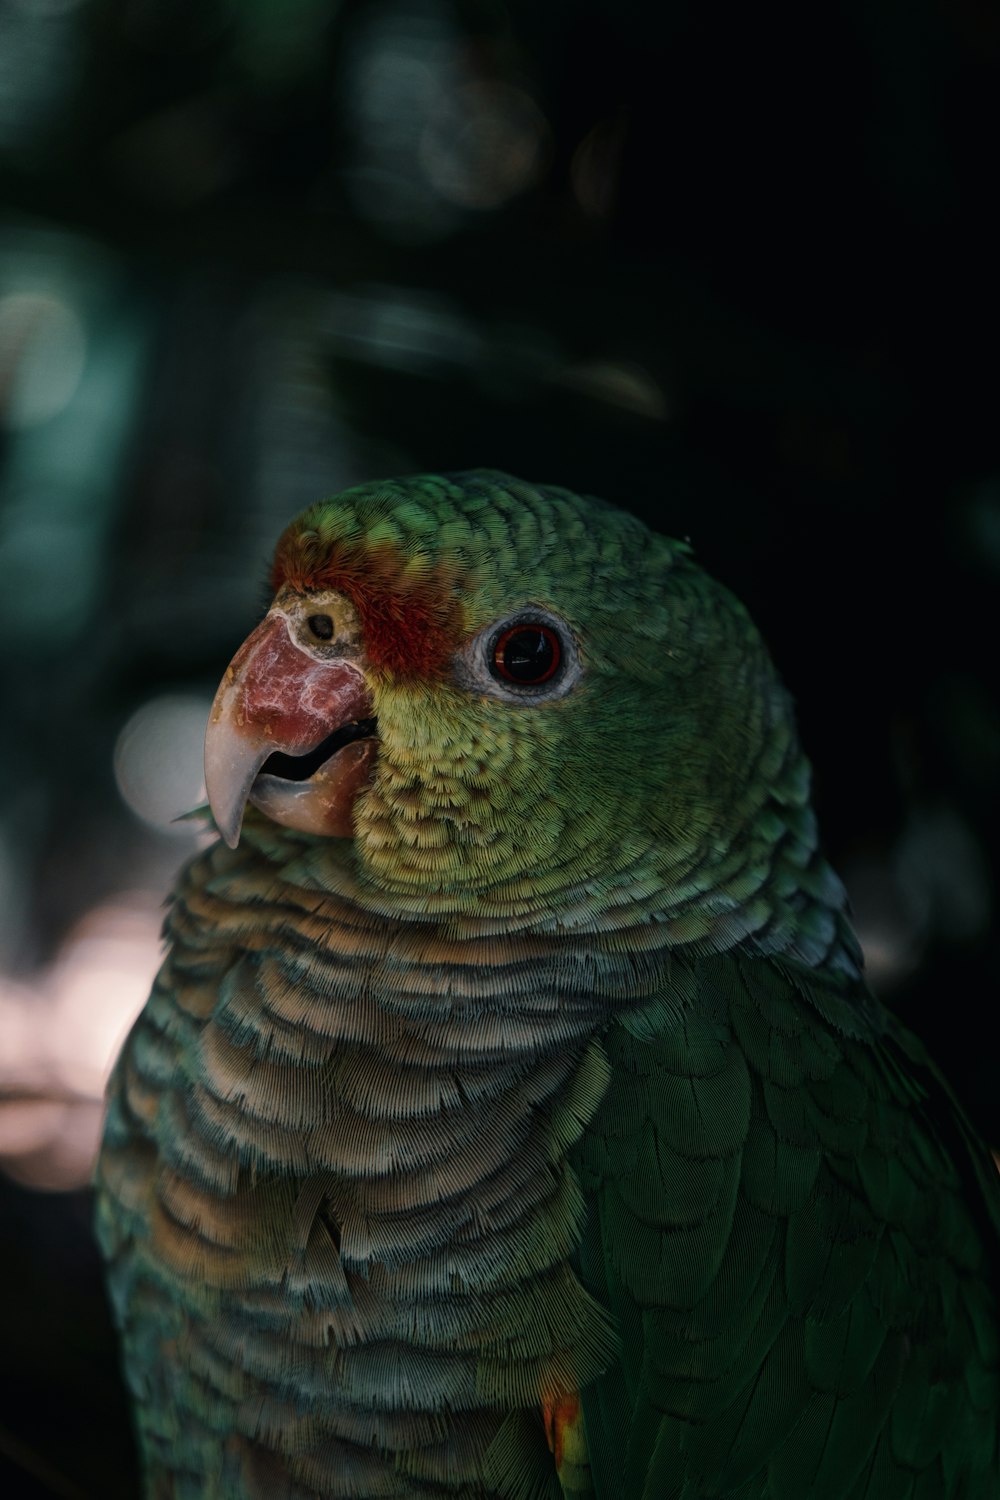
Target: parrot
(510,1118)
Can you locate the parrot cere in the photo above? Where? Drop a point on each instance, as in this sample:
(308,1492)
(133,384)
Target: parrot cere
(510,1119)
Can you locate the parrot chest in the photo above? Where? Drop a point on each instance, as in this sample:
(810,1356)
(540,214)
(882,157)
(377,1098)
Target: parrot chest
(341,1181)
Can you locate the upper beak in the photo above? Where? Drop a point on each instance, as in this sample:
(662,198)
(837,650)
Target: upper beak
(274,696)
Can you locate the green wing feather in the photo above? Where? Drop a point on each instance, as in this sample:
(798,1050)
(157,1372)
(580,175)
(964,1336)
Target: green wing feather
(796,1231)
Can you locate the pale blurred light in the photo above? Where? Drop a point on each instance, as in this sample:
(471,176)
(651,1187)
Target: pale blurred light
(43,349)
(59,1038)
(933,884)
(595,167)
(890,937)
(402,59)
(159,760)
(60,1034)
(97,986)
(432,140)
(484,144)
(73,342)
(622,384)
(417,332)
(52,1146)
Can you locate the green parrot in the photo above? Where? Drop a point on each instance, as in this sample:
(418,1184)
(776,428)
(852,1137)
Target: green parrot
(510,1119)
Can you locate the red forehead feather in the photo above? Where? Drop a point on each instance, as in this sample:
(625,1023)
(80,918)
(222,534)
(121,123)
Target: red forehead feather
(412,620)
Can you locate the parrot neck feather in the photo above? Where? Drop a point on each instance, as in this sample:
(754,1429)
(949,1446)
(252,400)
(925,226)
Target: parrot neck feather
(769,890)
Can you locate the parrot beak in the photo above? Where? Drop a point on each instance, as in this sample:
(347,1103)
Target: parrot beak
(291,732)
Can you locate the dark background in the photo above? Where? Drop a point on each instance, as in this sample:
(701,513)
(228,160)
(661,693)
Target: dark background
(738,273)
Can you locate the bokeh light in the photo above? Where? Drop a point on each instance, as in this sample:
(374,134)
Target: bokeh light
(158,760)
(42,353)
(59,1037)
(484,144)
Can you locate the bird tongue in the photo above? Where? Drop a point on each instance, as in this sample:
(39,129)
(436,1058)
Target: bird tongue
(324,803)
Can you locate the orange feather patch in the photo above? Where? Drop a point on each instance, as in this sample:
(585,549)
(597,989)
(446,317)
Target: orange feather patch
(561,1418)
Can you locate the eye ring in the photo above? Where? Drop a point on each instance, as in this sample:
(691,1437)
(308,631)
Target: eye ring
(527,654)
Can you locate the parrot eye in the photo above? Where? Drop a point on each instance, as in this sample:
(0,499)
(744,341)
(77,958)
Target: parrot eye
(530,657)
(321,627)
(528,654)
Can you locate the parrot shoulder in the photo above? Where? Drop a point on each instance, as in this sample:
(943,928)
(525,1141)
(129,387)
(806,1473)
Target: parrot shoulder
(797,1233)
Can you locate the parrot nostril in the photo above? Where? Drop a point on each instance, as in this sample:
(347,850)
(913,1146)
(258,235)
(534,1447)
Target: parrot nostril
(321,627)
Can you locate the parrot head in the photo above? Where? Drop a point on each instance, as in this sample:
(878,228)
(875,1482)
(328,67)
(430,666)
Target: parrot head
(503,694)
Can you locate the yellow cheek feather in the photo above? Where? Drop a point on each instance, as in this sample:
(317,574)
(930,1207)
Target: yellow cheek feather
(461,795)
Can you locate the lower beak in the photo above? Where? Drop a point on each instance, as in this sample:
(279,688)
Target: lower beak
(276,700)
